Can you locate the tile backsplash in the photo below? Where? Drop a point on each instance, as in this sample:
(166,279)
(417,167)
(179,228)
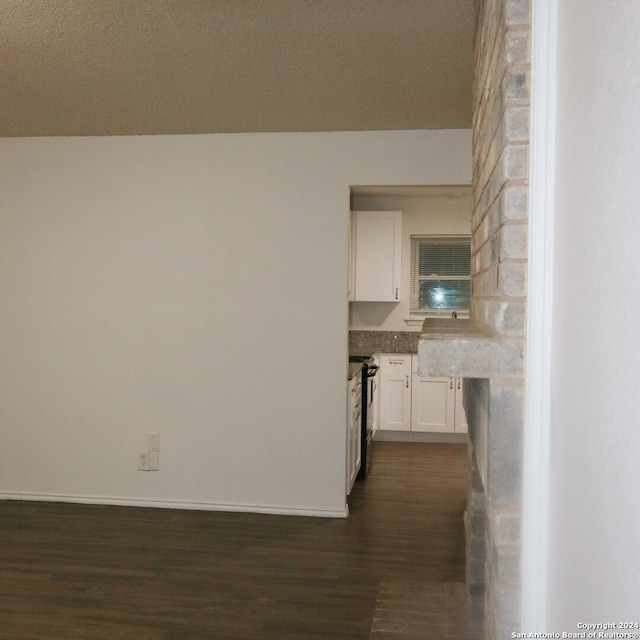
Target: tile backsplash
(365,343)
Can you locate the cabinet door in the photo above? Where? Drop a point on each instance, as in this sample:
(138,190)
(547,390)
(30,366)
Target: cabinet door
(460,416)
(354,407)
(374,407)
(357,440)
(377,245)
(395,392)
(433,404)
(354,447)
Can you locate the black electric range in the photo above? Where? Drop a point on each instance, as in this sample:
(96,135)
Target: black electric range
(369,385)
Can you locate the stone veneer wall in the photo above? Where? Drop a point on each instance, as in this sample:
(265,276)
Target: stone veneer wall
(498,284)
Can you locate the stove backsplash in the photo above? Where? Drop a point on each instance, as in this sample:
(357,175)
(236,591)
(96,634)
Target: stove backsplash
(366,343)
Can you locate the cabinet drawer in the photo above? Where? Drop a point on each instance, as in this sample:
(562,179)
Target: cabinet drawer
(392,361)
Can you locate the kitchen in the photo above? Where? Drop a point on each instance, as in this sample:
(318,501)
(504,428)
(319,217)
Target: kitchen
(383,335)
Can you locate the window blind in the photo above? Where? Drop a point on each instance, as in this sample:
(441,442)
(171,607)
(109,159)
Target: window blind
(440,273)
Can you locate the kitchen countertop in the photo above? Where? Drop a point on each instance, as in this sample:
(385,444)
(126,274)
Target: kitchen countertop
(467,349)
(447,347)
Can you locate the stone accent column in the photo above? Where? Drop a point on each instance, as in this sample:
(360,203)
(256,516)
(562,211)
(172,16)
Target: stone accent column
(498,300)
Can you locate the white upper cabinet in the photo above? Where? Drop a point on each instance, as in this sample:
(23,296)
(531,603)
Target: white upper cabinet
(376,246)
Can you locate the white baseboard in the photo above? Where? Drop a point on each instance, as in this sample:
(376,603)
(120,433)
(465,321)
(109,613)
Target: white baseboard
(413,436)
(178,504)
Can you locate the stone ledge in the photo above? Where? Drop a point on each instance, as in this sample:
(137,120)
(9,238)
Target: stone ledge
(467,349)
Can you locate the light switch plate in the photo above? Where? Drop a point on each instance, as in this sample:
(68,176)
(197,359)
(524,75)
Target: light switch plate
(153,442)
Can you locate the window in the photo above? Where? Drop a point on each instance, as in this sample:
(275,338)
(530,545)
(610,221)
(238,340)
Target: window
(440,268)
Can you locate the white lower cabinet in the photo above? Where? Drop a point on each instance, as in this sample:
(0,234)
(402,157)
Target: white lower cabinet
(395,392)
(432,404)
(460,415)
(409,402)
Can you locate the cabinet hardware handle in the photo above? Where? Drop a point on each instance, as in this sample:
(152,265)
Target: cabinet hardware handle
(458,383)
(407,382)
(396,293)
(450,383)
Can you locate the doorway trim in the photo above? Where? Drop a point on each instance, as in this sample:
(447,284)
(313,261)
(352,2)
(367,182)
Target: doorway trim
(537,419)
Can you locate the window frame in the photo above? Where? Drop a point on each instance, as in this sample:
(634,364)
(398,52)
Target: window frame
(415,278)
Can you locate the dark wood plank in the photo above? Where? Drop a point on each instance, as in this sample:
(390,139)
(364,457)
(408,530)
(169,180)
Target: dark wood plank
(72,571)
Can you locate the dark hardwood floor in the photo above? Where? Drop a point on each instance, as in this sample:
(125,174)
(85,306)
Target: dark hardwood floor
(100,572)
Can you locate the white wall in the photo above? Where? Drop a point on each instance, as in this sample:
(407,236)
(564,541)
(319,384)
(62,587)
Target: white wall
(594,560)
(194,286)
(420,215)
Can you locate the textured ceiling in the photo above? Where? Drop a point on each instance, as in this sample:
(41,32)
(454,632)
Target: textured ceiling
(117,67)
